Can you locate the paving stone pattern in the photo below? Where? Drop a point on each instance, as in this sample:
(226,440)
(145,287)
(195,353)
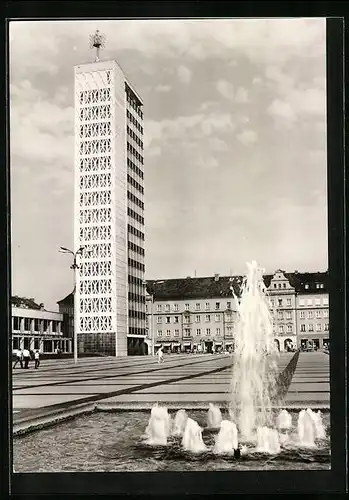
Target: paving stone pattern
(142,380)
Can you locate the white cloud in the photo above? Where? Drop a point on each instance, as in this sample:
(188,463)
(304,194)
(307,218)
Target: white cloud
(163,88)
(257,80)
(247,137)
(241,96)
(311,102)
(184,74)
(282,109)
(226,89)
(200,125)
(216,144)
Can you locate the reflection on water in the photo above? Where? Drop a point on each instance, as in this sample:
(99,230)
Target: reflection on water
(106,442)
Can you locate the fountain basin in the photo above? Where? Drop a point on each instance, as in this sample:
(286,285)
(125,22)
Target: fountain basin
(112,441)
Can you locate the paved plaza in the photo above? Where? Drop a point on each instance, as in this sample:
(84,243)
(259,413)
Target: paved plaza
(134,382)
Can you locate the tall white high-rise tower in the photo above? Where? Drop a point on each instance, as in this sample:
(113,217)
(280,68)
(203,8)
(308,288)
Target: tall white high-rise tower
(109,211)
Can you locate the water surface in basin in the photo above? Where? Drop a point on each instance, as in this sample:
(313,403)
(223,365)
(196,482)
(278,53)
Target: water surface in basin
(110,442)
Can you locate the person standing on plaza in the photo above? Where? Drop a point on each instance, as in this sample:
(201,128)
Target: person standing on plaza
(160,354)
(37,359)
(26,358)
(19,358)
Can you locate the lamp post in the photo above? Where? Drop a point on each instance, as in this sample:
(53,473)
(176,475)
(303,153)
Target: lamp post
(75,267)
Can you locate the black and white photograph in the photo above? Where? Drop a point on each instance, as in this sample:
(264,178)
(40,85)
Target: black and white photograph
(169,245)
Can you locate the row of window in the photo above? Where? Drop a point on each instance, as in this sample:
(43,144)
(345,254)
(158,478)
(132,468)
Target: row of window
(135,153)
(135,297)
(132,330)
(319,327)
(198,332)
(135,248)
(135,200)
(187,331)
(135,216)
(136,314)
(134,137)
(134,167)
(134,121)
(283,328)
(136,265)
(135,231)
(134,280)
(318,314)
(135,184)
(318,301)
(186,318)
(284,285)
(39,324)
(167,307)
(134,105)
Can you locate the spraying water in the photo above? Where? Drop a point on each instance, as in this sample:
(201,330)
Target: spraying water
(320,432)
(306,429)
(255,361)
(159,426)
(214,416)
(179,423)
(192,437)
(227,438)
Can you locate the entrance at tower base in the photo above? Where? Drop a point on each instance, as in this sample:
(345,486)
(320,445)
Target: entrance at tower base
(136,346)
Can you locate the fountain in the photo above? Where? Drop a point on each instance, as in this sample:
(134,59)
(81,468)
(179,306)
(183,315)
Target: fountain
(267,441)
(214,417)
(255,361)
(159,426)
(284,421)
(192,438)
(253,391)
(227,438)
(318,424)
(179,423)
(284,424)
(306,429)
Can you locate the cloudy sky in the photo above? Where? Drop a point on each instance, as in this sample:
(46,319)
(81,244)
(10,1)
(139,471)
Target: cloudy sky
(235,147)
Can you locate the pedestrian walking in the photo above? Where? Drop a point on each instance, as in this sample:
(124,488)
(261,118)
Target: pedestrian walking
(37,359)
(26,358)
(19,358)
(160,354)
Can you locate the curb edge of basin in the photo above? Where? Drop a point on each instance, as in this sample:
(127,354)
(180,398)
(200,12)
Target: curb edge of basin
(50,419)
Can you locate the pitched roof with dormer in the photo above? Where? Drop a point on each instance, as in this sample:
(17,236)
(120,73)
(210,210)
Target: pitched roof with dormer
(211,287)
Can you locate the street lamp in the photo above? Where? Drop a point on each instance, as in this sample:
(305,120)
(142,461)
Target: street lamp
(75,267)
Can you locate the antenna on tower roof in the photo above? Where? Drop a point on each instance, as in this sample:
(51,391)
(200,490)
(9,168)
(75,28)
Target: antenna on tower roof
(97,41)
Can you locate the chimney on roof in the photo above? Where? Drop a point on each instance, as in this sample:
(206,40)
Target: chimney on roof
(216,277)
(42,307)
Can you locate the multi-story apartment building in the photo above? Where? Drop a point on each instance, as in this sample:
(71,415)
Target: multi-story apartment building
(199,314)
(66,307)
(193,314)
(35,328)
(109,211)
